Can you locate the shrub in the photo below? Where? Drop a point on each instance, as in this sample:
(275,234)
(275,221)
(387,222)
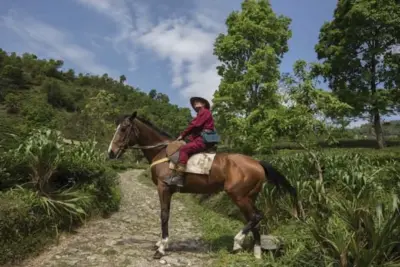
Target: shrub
(47,187)
(352,216)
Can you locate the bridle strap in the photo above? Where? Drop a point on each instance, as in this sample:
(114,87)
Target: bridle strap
(135,130)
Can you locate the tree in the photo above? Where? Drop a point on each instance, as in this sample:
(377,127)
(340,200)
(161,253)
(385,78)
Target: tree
(52,67)
(70,75)
(122,79)
(12,103)
(57,96)
(99,112)
(162,97)
(356,47)
(305,119)
(12,76)
(250,54)
(153,93)
(310,111)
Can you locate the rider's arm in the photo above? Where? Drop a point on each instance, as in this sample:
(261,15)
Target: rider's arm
(197,122)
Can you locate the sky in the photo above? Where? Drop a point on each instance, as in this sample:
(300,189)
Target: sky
(168,47)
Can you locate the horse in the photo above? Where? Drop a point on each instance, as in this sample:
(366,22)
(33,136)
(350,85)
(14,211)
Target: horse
(240,176)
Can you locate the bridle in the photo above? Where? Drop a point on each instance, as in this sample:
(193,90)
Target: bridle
(133,128)
(125,142)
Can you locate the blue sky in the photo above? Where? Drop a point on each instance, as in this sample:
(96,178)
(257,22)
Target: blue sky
(156,45)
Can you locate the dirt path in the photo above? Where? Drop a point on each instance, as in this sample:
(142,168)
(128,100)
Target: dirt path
(127,238)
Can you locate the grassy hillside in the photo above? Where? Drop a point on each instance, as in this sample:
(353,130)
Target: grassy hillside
(36,93)
(46,185)
(351,212)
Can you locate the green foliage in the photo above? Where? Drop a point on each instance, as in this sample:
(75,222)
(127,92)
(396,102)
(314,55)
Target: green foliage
(24,229)
(356,47)
(98,113)
(58,97)
(38,113)
(42,154)
(50,186)
(250,54)
(36,93)
(12,103)
(391,130)
(352,216)
(350,197)
(309,108)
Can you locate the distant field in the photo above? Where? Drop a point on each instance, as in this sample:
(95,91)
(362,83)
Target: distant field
(344,143)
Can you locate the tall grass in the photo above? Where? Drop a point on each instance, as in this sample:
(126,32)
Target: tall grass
(351,211)
(47,186)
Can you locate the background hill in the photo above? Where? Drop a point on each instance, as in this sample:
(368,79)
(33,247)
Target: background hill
(38,93)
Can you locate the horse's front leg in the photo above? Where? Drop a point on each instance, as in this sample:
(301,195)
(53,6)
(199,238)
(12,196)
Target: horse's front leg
(165,203)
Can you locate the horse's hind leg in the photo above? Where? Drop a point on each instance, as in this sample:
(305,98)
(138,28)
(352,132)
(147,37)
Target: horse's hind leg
(257,217)
(253,217)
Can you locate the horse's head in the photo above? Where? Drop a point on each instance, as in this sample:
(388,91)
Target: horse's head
(125,135)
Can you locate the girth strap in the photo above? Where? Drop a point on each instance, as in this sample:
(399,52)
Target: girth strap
(159,161)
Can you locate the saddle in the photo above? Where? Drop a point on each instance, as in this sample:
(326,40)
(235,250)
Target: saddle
(174,147)
(199,163)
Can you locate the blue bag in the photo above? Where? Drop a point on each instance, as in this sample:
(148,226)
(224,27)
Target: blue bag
(210,137)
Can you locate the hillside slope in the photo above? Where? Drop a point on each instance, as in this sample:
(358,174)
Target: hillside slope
(36,92)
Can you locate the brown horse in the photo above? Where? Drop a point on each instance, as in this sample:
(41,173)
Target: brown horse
(241,177)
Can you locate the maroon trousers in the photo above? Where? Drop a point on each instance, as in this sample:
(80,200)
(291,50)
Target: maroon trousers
(196,146)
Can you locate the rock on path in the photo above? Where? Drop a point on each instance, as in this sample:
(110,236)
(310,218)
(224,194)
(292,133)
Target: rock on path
(127,238)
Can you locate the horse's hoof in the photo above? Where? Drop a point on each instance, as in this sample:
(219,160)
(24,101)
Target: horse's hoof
(157,245)
(257,252)
(237,250)
(158,255)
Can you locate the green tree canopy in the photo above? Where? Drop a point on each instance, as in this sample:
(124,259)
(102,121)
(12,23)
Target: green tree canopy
(356,49)
(250,54)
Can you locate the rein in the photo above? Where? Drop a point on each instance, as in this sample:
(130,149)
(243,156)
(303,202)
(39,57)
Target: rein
(135,130)
(151,146)
(162,144)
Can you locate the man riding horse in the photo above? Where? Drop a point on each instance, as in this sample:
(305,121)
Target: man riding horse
(199,129)
(240,176)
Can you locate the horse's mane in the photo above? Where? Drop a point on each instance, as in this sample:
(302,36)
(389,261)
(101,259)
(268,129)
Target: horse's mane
(144,121)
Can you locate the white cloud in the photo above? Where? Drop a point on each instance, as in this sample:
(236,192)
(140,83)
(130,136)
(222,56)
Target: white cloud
(189,50)
(131,21)
(43,38)
(185,42)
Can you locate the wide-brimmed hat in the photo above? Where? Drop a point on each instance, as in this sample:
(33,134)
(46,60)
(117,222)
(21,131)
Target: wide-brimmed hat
(200,99)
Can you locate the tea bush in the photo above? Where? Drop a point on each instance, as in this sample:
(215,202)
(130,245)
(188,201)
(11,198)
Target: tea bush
(47,186)
(350,204)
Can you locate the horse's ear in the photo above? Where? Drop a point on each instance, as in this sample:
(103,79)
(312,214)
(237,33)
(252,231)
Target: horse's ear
(133,116)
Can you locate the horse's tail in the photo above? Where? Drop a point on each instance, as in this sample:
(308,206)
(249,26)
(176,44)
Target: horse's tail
(273,176)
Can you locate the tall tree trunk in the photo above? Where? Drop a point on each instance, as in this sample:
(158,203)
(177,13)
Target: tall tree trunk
(378,129)
(375,110)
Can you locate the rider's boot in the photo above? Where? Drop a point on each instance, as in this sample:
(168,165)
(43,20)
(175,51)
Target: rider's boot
(177,176)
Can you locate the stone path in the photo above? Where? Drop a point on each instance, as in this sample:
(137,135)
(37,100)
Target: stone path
(127,238)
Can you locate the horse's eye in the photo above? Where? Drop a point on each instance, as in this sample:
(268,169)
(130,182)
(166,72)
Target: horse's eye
(123,129)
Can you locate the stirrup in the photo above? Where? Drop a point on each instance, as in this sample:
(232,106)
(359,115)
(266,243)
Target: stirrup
(174,179)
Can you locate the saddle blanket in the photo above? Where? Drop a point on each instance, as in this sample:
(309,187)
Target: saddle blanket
(199,163)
